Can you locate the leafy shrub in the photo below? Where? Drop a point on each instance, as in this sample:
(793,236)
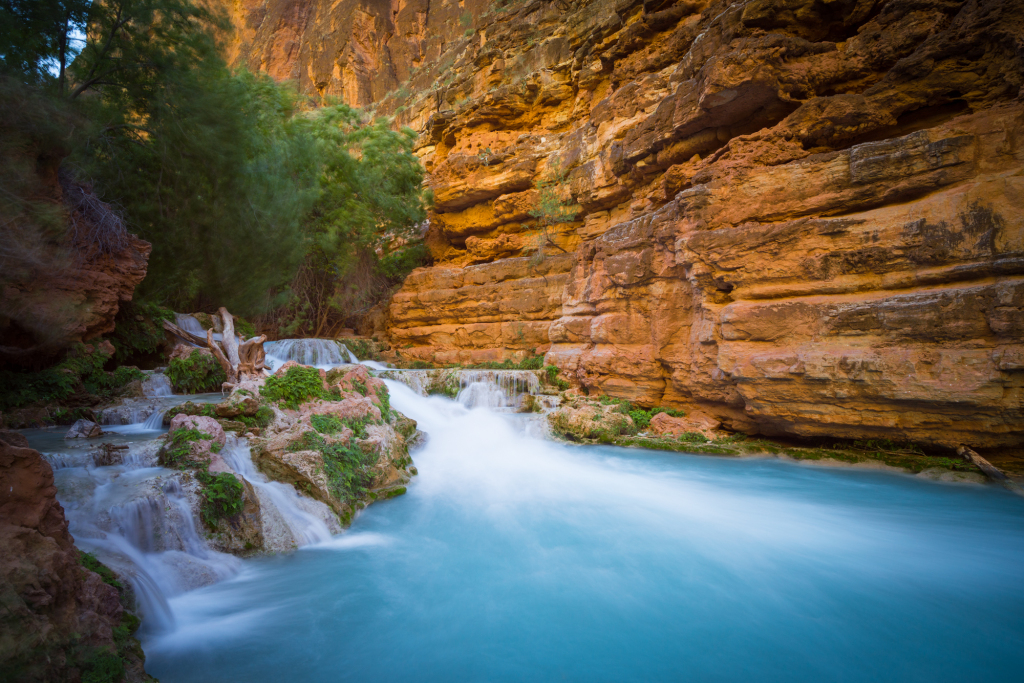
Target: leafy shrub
(551,377)
(346,466)
(642,418)
(198,373)
(299,385)
(693,437)
(79,372)
(134,337)
(222,497)
(176,451)
(385,403)
(327,424)
(263,417)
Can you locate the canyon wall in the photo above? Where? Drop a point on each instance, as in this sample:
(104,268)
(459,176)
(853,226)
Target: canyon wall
(805,217)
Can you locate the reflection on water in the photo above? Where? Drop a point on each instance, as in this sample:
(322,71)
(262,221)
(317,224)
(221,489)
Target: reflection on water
(516,559)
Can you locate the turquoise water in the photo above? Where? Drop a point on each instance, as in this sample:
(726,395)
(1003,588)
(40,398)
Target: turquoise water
(516,559)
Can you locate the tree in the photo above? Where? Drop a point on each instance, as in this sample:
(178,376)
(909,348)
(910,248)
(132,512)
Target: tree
(37,35)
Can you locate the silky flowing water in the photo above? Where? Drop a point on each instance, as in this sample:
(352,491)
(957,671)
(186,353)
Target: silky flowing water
(513,558)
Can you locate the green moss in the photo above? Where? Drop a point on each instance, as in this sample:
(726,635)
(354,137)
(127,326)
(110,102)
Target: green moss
(299,385)
(177,450)
(222,497)
(385,403)
(551,377)
(397,491)
(263,417)
(528,363)
(346,466)
(198,373)
(190,408)
(79,373)
(89,561)
(359,386)
(244,328)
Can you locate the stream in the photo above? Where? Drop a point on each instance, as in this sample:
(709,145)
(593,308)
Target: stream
(516,558)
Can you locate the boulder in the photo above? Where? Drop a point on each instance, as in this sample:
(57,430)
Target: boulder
(663,424)
(84,429)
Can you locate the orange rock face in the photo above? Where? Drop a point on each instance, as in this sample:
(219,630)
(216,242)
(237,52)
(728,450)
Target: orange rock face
(801,218)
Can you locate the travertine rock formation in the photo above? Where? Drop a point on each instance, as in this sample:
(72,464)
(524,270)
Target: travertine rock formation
(801,216)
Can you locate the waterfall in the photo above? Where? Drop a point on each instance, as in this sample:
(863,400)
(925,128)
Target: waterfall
(494,389)
(305,527)
(157,384)
(320,353)
(138,521)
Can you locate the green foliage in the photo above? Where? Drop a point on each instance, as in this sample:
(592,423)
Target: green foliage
(528,363)
(190,408)
(177,450)
(551,377)
(693,437)
(362,229)
(103,667)
(219,180)
(327,424)
(385,403)
(359,386)
(346,466)
(399,263)
(263,417)
(299,385)
(89,561)
(642,418)
(222,497)
(79,373)
(198,373)
(244,328)
(138,329)
(38,36)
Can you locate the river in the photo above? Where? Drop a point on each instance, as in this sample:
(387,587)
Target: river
(513,558)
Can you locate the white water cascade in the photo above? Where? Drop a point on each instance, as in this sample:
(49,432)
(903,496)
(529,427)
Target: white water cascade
(293,510)
(140,519)
(320,353)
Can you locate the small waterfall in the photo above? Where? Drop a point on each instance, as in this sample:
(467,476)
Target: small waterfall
(157,384)
(494,389)
(189,324)
(305,527)
(320,353)
(140,523)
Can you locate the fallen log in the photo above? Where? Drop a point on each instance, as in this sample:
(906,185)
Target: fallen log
(183,335)
(990,470)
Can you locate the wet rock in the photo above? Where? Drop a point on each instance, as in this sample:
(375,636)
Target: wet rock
(84,429)
(590,422)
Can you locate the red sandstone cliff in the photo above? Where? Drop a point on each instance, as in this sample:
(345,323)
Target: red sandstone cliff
(58,617)
(802,216)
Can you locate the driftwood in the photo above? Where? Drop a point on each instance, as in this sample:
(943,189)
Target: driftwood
(990,470)
(194,339)
(240,361)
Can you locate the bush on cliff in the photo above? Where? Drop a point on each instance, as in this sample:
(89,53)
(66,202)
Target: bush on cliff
(299,385)
(79,375)
(195,374)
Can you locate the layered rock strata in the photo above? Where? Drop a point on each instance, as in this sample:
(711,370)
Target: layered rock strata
(802,218)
